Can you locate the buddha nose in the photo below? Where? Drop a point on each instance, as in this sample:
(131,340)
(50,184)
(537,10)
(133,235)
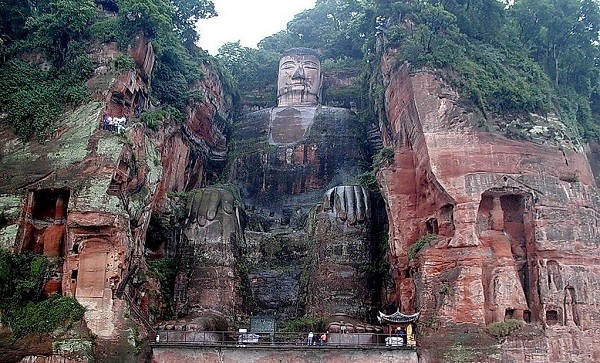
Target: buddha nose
(299,74)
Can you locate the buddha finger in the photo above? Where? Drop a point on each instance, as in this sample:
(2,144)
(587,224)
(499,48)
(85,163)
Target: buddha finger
(214,200)
(367,200)
(340,203)
(329,199)
(194,205)
(227,201)
(360,204)
(350,204)
(203,207)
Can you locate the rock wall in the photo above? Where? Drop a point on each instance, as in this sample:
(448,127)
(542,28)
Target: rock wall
(274,355)
(515,219)
(89,191)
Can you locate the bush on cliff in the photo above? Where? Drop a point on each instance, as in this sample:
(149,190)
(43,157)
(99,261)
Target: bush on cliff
(44,316)
(505,328)
(416,247)
(22,305)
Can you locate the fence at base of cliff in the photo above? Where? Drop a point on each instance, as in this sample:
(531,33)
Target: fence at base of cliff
(279,339)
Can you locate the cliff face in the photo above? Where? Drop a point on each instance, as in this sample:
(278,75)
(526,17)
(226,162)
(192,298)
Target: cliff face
(512,223)
(86,195)
(516,221)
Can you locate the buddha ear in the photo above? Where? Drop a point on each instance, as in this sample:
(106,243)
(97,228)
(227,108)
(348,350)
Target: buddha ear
(320,91)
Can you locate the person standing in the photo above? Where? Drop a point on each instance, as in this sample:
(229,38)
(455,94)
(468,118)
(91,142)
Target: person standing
(323,340)
(309,341)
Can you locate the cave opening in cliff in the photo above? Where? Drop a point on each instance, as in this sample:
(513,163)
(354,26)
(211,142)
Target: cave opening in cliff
(515,218)
(157,237)
(554,276)
(44,224)
(446,221)
(504,222)
(551,317)
(432,226)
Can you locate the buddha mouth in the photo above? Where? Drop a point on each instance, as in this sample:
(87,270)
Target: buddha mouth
(298,86)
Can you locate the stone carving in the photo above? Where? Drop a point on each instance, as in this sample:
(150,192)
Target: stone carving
(523,238)
(214,231)
(286,161)
(299,79)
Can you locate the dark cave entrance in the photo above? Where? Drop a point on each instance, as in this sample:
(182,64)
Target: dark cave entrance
(43,230)
(44,223)
(510,212)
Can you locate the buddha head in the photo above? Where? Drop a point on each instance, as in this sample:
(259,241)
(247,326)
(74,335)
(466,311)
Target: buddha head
(299,80)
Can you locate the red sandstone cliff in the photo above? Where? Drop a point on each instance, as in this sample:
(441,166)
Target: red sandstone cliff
(89,192)
(516,222)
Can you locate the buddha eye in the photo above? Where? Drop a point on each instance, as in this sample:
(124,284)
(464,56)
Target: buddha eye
(311,65)
(288,65)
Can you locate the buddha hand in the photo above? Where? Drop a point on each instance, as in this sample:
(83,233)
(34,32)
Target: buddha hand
(207,203)
(350,203)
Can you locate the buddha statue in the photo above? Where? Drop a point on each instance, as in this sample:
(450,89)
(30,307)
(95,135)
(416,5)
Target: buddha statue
(289,234)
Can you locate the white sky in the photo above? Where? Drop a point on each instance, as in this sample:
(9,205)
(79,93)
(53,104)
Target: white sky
(248,21)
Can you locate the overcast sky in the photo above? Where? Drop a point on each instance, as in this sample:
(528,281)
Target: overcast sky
(248,21)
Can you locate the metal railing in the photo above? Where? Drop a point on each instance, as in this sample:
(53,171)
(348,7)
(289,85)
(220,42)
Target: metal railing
(279,339)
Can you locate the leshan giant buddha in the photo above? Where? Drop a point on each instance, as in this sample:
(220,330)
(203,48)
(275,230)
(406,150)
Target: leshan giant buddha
(302,244)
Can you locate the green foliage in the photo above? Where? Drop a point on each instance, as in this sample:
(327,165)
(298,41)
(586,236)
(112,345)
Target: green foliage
(186,14)
(44,316)
(481,20)
(155,119)
(383,158)
(337,28)
(503,57)
(303,325)
(54,26)
(445,289)
(21,279)
(416,247)
(33,99)
(368,180)
(175,71)
(105,30)
(152,17)
(254,70)
(166,271)
(499,82)
(331,64)
(563,38)
(505,328)
(123,63)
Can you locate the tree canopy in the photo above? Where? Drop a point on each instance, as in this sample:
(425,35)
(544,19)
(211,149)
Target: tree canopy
(529,56)
(62,31)
(526,55)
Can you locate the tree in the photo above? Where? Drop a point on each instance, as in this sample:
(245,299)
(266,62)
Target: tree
(53,27)
(251,68)
(12,22)
(174,72)
(563,37)
(185,15)
(478,19)
(331,27)
(152,17)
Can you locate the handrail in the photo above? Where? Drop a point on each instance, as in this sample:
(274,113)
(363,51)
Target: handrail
(133,268)
(139,315)
(279,339)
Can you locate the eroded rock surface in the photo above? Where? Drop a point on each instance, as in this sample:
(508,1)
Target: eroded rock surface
(301,244)
(516,222)
(88,193)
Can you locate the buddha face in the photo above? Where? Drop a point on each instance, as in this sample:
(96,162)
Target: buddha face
(299,80)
